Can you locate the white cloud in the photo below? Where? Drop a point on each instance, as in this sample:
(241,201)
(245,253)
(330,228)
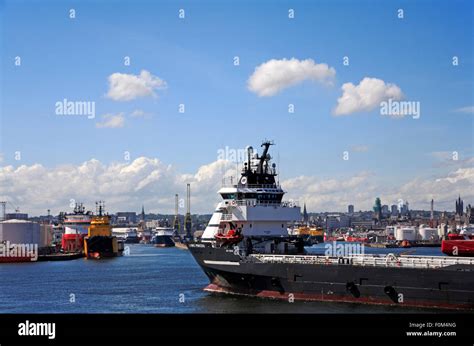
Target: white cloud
(467,110)
(331,194)
(444,189)
(366,96)
(451,158)
(360,148)
(111,121)
(138,113)
(362,189)
(123,186)
(126,87)
(274,75)
(148,181)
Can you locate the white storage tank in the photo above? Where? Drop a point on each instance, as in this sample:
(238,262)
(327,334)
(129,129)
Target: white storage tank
(20,232)
(428,233)
(405,233)
(46,235)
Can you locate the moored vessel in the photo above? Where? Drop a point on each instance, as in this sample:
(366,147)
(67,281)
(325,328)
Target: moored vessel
(76,226)
(461,244)
(100,243)
(163,237)
(131,236)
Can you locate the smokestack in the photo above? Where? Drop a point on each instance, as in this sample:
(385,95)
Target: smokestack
(432,210)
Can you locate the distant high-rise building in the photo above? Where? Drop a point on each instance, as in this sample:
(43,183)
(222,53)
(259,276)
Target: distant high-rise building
(394,210)
(378,209)
(404,210)
(385,210)
(350,209)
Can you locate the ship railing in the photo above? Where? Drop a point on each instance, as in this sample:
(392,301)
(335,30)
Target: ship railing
(253,203)
(252,186)
(389,260)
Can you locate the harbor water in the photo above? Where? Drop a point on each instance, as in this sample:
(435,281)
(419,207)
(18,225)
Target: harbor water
(147,280)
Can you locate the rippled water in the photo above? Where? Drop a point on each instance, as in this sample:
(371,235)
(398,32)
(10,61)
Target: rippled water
(149,280)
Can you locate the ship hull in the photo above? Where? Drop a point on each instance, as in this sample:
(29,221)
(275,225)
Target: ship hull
(458,247)
(73,242)
(98,247)
(163,241)
(440,288)
(16,259)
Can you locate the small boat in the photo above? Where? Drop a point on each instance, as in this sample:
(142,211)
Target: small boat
(145,236)
(131,237)
(163,237)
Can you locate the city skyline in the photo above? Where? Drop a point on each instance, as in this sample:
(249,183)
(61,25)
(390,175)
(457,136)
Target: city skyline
(136,67)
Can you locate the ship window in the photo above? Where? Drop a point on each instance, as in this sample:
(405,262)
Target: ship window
(250,225)
(228,195)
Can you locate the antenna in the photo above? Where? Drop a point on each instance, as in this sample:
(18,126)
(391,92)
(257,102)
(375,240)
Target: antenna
(100,207)
(278,176)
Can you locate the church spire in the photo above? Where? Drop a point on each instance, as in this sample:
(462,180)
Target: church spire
(305,214)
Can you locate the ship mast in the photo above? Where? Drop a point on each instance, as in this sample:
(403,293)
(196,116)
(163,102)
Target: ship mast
(99,207)
(263,158)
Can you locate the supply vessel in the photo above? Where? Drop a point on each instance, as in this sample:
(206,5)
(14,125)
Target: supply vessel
(246,250)
(76,226)
(100,243)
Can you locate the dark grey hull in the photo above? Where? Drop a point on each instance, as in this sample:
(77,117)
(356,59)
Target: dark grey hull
(450,287)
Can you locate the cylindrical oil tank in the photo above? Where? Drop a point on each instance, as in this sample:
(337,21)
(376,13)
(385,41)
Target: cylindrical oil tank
(20,232)
(405,233)
(428,233)
(46,235)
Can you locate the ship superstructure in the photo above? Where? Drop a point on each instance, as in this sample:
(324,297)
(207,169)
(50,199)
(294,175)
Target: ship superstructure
(76,226)
(100,243)
(163,237)
(254,207)
(246,250)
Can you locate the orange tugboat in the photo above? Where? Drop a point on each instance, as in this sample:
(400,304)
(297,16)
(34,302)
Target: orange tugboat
(99,242)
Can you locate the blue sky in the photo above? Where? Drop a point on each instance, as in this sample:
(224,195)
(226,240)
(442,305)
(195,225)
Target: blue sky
(73,58)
